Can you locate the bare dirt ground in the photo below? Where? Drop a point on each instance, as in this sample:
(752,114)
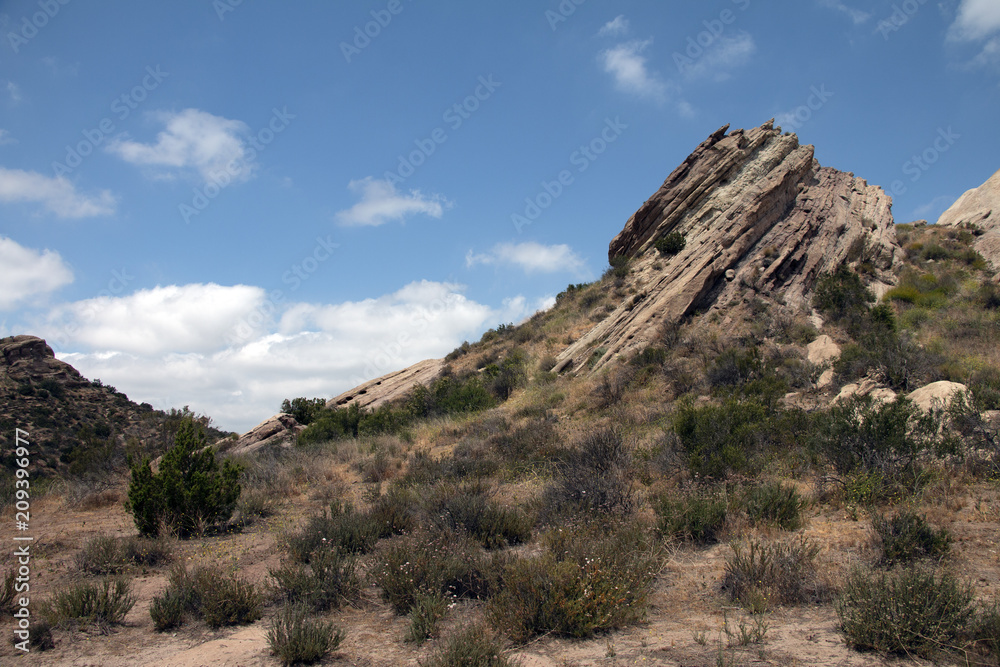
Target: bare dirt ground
(684,627)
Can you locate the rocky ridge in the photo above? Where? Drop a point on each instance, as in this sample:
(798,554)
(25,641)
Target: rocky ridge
(980,207)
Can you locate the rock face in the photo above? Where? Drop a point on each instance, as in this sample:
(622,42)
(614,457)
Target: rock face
(24,357)
(388,387)
(758,213)
(980,207)
(822,350)
(936,394)
(279,431)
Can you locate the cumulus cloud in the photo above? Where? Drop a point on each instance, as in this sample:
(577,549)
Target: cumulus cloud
(976,20)
(193,140)
(176,350)
(724,54)
(381,203)
(58,195)
(530,257)
(615,28)
(627,65)
(29,273)
(856,15)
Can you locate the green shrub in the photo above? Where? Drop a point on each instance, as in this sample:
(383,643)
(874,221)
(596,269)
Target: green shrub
(189,491)
(842,296)
(697,517)
(776,504)
(761,574)
(425,614)
(392,512)
(329,579)
(230,601)
(907,536)
(911,612)
(719,440)
(102,603)
(167,610)
(472,646)
(471,509)
(443,564)
(295,638)
(208,592)
(343,528)
(590,579)
(105,554)
(671,244)
(304,410)
(595,478)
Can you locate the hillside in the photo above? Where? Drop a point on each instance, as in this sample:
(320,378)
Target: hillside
(775,410)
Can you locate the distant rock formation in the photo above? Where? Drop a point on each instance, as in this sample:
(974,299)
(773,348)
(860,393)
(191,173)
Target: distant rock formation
(758,212)
(281,430)
(980,207)
(24,358)
(375,392)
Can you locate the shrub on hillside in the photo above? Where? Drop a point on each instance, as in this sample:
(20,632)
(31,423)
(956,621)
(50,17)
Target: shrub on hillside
(718,440)
(595,478)
(325,583)
(906,536)
(671,244)
(190,490)
(470,508)
(102,603)
(105,554)
(776,504)
(471,646)
(697,516)
(304,410)
(297,639)
(209,593)
(761,574)
(342,528)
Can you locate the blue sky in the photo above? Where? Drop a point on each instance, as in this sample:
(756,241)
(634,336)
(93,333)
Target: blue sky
(223,204)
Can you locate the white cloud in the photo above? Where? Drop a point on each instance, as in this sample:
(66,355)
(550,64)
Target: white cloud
(168,346)
(381,203)
(628,66)
(29,273)
(14,91)
(5,138)
(193,140)
(530,257)
(58,195)
(724,54)
(856,15)
(977,19)
(615,28)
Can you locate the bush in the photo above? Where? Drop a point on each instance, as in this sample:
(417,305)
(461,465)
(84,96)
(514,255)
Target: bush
(469,508)
(167,610)
(304,410)
(761,574)
(596,478)
(295,638)
(696,517)
(590,579)
(472,646)
(231,601)
(206,591)
(425,614)
(841,296)
(907,536)
(776,504)
(342,528)
(722,439)
(910,612)
(671,244)
(329,579)
(104,554)
(102,603)
(189,491)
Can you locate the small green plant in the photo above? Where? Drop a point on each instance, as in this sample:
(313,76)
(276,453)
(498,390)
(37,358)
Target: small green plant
(343,527)
(295,638)
(471,646)
(325,583)
(231,601)
(762,574)
(912,612)
(190,489)
(469,507)
(671,244)
(167,610)
(776,504)
(427,611)
(698,516)
(105,554)
(101,603)
(906,536)
(206,591)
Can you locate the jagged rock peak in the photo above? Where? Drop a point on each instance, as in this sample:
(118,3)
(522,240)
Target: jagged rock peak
(16,348)
(759,214)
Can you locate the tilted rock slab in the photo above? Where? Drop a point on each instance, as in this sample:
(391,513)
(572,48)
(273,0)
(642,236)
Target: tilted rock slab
(980,207)
(375,392)
(281,430)
(759,214)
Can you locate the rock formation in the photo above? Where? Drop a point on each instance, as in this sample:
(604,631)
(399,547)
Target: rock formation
(25,358)
(279,431)
(759,214)
(388,387)
(980,207)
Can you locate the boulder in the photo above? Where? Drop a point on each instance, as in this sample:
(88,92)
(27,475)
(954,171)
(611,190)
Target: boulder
(980,207)
(936,394)
(823,351)
(867,387)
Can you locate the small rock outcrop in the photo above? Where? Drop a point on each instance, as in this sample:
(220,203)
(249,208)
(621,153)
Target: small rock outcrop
(29,357)
(822,350)
(281,430)
(758,214)
(375,392)
(980,207)
(936,394)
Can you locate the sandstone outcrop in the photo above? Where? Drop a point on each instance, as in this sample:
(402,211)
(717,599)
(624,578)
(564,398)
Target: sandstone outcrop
(375,392)
(980,207)
(281,430)
(936,394)
(822,351)
(759,214)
